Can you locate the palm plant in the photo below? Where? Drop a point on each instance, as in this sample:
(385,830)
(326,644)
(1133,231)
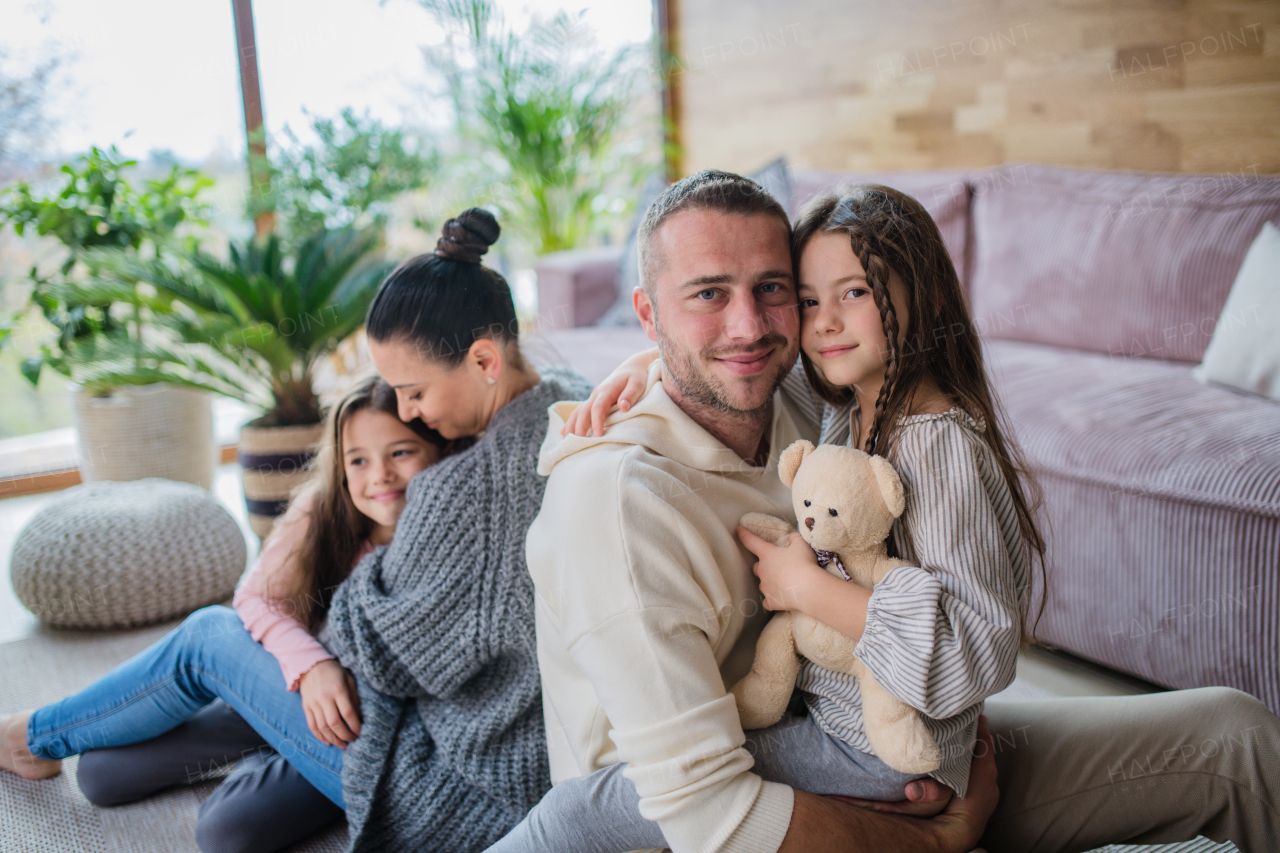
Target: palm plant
(253,327)
(545,112)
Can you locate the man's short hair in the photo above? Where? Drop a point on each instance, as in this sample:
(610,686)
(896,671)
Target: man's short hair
(709,189)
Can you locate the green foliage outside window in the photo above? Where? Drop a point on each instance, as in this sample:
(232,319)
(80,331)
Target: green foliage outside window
(97,207)
(356,167)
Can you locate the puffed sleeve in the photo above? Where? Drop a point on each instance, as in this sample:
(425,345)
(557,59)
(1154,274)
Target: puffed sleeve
(943,634)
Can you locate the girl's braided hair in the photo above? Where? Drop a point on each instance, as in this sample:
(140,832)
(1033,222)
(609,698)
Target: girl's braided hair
(895,238)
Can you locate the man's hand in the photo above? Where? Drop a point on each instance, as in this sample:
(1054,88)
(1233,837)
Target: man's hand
(823,824)
(961,825)
(331,703)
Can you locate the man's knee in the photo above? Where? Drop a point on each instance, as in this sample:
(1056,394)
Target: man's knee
(1233,712)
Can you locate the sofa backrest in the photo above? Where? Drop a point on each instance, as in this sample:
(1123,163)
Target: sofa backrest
(944,194)
(1124,263)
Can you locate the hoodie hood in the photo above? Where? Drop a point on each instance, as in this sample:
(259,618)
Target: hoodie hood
(657,424)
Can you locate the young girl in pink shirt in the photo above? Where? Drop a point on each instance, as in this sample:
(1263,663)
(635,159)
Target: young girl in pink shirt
(347,507)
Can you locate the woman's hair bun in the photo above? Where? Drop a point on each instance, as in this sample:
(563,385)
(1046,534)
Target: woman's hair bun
(468,235)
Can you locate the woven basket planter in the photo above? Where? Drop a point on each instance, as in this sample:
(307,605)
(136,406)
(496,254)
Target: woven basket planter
(274,461)
(145,431)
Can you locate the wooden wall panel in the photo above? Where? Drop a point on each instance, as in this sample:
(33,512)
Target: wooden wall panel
(1155,85)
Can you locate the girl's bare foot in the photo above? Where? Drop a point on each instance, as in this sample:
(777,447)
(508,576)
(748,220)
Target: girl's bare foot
(14,755)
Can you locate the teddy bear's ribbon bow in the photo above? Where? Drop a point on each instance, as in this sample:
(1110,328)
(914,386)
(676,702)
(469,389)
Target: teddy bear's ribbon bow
(825,557)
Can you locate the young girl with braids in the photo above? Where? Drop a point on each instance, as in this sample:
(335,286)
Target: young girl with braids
(888,345)
(348,505)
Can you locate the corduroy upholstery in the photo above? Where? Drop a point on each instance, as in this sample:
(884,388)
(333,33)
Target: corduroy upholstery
(1119,263)
(1162,505)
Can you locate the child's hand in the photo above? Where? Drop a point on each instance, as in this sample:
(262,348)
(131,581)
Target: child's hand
(924,798)
(623,387)
(789,575)
(331,702)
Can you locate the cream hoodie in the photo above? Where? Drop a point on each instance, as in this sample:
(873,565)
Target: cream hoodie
(647,609)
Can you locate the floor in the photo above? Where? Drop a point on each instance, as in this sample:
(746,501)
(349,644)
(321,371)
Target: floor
(1057,672)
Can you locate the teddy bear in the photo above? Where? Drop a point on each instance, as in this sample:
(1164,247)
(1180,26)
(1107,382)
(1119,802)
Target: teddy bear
(845,502)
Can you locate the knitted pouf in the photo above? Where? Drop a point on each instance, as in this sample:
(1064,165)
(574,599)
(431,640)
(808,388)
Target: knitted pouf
(121,554)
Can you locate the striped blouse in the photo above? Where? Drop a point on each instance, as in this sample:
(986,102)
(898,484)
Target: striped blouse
(942,634)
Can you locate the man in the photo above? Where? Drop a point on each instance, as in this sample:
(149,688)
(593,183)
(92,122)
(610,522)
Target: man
(647,606)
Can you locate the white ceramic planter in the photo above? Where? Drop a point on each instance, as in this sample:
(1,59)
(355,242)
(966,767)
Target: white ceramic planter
(142,431)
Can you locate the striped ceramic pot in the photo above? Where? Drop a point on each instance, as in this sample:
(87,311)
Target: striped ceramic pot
(274,462)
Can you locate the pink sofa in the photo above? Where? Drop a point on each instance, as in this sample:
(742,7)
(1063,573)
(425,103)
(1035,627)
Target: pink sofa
(1096,293)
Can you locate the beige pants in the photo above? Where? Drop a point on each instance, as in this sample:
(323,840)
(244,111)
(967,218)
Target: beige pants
(1076,774)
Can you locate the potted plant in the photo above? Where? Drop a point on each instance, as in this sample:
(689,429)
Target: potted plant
(550,124)
(255,327)
(133,424)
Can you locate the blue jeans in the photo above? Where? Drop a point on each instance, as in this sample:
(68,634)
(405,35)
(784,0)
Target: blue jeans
(209,656)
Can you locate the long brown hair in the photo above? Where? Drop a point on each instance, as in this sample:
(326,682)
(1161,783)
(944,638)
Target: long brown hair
(891,233)
(336,529)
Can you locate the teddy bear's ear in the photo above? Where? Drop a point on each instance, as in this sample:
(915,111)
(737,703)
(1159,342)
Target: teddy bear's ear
(789,462)
(890,485)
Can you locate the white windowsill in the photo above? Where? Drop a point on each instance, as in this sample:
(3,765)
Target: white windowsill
(57,450)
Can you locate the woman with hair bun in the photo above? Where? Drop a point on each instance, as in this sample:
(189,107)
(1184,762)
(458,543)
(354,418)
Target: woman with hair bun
(436,627)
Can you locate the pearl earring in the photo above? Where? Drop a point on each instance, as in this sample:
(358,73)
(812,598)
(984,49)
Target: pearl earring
(491,380)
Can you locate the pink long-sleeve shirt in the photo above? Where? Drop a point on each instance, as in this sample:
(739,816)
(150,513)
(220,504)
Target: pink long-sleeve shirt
(284,636)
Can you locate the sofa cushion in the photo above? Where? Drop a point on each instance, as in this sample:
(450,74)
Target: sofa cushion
(944,194)
(1141,426)
(775,177)
(593,351)
(1114,262)
(622,311)
(1245,351)
(1162,511)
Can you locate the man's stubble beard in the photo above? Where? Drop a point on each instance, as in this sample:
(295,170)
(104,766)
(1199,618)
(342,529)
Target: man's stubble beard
(706,390)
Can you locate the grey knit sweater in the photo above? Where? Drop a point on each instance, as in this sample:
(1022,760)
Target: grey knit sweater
(438,628)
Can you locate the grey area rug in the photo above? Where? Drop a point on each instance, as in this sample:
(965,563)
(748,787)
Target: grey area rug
(52,816)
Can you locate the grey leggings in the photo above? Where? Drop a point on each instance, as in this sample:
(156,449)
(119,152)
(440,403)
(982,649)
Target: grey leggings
(262,806)
(600,813)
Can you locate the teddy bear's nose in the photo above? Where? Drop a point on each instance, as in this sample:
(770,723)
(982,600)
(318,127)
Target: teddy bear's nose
(808,522)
